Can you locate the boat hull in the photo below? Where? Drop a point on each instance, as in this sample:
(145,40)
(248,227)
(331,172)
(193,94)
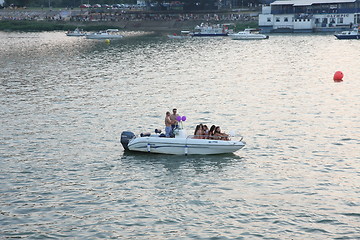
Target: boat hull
(183,146)
(178,37)
(248,36)
(75,34)
(103,37)
(210,35)
(339,36)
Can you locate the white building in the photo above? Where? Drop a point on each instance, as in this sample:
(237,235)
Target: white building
(309,15)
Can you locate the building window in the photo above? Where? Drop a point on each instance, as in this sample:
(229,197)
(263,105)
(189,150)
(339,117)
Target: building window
(277,19)
(340,20)
(268,19)
(357,18)
(286,19)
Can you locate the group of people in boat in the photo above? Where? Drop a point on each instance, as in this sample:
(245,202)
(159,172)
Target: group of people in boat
(203,132)
(171,122)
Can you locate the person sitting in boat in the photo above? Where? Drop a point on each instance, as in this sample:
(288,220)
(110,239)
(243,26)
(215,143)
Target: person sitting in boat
(211,132)
(206,131)
(196,130)
(219,135)
(199,132)
(168,123)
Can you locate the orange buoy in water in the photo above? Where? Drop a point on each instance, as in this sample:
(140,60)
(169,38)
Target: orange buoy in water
(338,76)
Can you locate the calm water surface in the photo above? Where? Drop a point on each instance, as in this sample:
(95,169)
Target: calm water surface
(64,102)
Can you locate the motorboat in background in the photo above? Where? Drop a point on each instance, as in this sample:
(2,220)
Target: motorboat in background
(248,34)
(76,33)
(107,34)
(182,35)
(181,144)
(206,30)
(352,34)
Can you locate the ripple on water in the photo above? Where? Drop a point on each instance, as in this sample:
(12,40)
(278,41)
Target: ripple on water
(64,102)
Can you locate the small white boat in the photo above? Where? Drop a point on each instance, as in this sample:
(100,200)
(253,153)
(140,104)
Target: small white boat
(181,144)
(206,30)
(353,34)
(107,34)
(248,34)
(183,35)
(76,33)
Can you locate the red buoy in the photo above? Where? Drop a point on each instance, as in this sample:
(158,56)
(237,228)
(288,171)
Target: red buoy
(338,76)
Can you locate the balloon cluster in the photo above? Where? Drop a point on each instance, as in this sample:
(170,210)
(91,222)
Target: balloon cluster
(179,118)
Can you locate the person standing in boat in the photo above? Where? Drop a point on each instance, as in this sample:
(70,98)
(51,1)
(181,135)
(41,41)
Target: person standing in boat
(173,118)
(168,123)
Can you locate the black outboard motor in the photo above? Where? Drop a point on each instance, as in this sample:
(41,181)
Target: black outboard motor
(126,136)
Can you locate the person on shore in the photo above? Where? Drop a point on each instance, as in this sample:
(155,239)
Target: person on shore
(173,118)
(168,123)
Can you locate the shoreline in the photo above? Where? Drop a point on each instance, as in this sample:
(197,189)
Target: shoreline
(45,20)
(155,26)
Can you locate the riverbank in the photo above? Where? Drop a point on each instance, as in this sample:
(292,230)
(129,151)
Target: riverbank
(37,20)
(158,26)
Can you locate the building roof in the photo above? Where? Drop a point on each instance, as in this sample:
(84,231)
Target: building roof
(308,2)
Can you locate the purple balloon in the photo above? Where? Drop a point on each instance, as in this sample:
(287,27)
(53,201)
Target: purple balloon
(178,118)
(183,118)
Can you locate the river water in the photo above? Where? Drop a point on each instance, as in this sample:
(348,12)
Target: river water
(64,102)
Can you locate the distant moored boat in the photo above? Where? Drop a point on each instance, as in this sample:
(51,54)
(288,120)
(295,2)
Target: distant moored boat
(352,34)
(249,34)
(76,33)
(107,34)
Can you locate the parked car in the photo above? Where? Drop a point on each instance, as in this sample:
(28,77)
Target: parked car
(85,6)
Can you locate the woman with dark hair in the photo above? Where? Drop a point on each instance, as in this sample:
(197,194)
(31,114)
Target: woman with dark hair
(219,135)
(211,132)
(206,132)
(196,130)
(200,132)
